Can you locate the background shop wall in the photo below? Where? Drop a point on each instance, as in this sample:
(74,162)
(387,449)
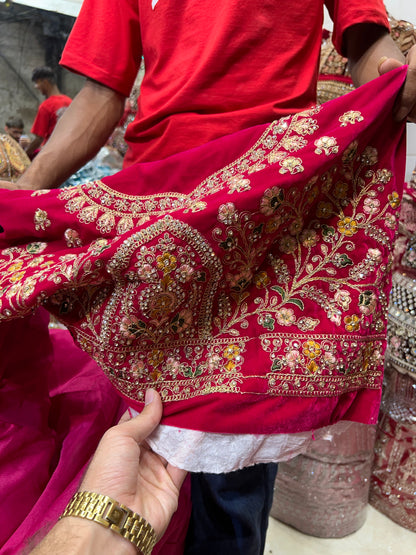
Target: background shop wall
(28,38)
(406,9)
(400,9)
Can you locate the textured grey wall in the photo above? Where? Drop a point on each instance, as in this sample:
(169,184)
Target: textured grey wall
(29,38)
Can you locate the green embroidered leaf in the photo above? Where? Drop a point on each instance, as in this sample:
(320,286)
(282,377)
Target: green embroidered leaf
(198,371)
(279,290)
(344,260)
(327,230)
(188,372)
(297,302)
(277,365)
(268,323)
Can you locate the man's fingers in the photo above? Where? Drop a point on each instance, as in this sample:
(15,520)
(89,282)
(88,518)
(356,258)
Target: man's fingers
(406,101)
(7,185)
(387,64)
(410,85)
(177,475)
(125,418)
(143,425)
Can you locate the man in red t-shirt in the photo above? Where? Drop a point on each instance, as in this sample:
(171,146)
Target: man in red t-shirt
(211,70)
(50,109)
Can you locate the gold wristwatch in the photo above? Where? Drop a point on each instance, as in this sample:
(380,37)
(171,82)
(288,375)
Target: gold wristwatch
(113,515)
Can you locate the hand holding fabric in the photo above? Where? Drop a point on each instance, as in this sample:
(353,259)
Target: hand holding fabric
(9,185)
(125,469)
(406,102)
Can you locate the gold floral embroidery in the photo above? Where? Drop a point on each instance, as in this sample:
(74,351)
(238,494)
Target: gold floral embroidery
(41,220)
(326,145)
(350,117)
(95,202)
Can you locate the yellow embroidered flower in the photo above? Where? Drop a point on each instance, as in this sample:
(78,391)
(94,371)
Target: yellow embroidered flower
(17,277)
(313,193)
(231,351)
(394,199)
(16,266)
(155,375)
(230,366)
(166,262)
(261,280)
(312,367)
(311,349)
(352,323)
(156,357)
(347,226)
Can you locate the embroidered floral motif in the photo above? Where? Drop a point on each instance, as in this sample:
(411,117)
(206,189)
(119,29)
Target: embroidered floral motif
(72,238)
(326,145)
(350,117)
(292,165)
(41,220)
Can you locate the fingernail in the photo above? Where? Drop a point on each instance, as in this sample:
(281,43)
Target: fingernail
(149,396)
(381,61)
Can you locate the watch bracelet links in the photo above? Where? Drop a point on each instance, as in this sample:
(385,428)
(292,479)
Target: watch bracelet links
(109,513)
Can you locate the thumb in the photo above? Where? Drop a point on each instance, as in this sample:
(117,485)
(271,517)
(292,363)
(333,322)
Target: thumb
(387,64)
(142,425)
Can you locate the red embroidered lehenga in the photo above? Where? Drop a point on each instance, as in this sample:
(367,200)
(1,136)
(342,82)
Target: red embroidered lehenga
(247,280)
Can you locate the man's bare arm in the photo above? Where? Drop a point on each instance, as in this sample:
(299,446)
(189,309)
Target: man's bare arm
(78,136)
(372,52)
(33,145)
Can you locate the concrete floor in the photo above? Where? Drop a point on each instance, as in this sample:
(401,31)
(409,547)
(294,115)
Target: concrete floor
(378,536)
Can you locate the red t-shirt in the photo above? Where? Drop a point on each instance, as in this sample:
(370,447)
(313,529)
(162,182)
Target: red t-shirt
(48,114)
(211,69)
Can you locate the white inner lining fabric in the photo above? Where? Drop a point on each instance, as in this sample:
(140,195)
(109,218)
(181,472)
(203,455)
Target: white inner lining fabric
(220,453)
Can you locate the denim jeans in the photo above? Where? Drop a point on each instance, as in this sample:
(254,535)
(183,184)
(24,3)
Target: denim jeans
(230,511)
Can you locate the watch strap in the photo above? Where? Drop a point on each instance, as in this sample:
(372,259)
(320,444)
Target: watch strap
(109,513)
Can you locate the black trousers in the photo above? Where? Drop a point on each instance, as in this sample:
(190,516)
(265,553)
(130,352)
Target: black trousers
(230,511)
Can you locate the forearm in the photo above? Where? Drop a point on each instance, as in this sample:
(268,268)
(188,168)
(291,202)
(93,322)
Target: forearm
(76,536)
(33,145)
(365,45)
(78,136)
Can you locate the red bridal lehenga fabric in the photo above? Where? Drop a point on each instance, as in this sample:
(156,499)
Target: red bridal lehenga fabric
(247,280)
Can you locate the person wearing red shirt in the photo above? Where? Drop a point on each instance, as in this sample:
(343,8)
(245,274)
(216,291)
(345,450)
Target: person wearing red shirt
(50,109)
(210,71)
